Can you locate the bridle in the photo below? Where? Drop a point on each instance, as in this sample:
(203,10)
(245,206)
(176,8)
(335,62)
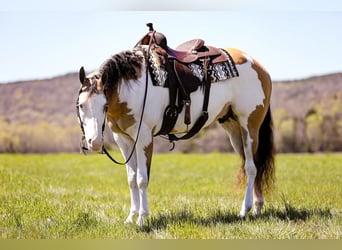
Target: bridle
(83,143)
(93,88)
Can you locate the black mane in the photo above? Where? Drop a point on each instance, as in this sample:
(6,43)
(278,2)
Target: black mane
(125,65)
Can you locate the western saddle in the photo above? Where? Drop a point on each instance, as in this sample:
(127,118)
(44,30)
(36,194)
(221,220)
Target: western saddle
(181,81)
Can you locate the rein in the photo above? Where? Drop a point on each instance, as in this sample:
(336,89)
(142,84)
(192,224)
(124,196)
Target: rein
(104,150)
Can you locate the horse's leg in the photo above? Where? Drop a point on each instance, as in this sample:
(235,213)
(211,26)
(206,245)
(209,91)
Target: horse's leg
(261,122)
(144,150)
(126,145)
(237,140)
(254,168)
(249,141)
(242,143)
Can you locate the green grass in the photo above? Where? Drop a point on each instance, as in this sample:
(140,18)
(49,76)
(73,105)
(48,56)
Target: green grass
(190,196)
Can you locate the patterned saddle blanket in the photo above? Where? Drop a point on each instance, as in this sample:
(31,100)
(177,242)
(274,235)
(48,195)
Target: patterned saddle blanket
(219,71)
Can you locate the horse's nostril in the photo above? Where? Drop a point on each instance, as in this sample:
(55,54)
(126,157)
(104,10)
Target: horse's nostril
(89,141)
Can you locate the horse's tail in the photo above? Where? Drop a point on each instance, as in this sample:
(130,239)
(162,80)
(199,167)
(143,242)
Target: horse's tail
(264,157)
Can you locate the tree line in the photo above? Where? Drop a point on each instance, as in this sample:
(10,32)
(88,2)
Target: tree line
(314,132)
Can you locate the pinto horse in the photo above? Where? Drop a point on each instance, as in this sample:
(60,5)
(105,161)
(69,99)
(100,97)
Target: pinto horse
(122,94)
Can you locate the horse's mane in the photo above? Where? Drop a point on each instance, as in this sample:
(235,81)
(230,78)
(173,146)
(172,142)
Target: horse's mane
(125,65)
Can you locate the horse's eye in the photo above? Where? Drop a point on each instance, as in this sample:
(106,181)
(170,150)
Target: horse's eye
(81,106)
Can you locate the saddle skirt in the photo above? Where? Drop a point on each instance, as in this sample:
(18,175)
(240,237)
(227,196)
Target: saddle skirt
(219,71)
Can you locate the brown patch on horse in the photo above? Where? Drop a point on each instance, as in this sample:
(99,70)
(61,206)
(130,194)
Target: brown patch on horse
(257,116)
(265,80)
(237,56)
(118,114)
(254,122)
(261,128)
(148,153)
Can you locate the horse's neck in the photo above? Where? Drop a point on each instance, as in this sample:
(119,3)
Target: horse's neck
(134,90)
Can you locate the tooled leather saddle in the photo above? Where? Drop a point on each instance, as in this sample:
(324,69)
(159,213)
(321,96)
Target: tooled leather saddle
(181,80)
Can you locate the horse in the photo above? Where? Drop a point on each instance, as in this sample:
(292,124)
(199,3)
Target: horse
(121,94)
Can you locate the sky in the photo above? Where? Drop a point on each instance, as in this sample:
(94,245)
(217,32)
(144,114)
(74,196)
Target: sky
(293,39)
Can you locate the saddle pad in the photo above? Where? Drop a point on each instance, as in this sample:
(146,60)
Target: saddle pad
(219,71)
(157,67)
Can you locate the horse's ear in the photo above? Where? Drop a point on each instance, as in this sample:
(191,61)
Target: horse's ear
(82,75)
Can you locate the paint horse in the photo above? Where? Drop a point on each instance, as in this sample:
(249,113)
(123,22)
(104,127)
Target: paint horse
(122,94)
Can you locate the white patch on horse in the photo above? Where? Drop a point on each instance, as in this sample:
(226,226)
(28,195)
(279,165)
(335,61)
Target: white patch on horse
(92,114)
(247,91)
(155,105)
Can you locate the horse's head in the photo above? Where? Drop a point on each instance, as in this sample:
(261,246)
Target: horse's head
(91,110)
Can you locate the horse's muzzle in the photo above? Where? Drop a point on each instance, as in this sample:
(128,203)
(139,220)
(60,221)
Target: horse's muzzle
(95,145)
(91,145)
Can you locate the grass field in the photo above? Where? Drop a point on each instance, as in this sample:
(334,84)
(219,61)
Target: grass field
(68,196)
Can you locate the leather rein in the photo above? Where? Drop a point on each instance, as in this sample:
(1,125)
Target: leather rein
(83,148)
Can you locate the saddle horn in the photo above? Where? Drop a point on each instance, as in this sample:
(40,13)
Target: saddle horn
(150,26)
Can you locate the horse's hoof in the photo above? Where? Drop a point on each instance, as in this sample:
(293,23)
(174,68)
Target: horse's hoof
(244,211)
(127,222)
(256,212)
(257,208)
(242,214)
(141,220)
(129,219)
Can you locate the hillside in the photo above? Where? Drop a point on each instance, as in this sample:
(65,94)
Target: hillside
(52,100)
(308,114)
(39,116)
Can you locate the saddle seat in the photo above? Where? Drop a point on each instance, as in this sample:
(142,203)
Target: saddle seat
(186,52)
(193,50)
